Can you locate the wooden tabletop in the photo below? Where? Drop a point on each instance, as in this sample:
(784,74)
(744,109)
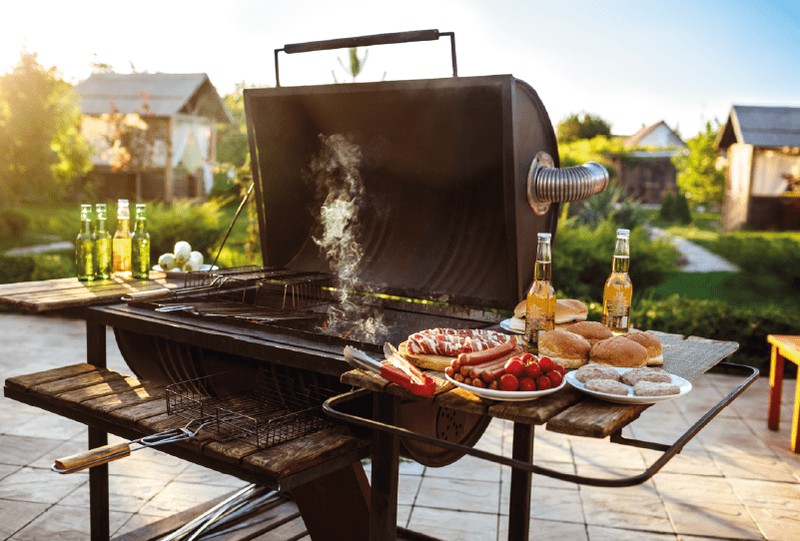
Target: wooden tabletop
(61,293)
(568,411)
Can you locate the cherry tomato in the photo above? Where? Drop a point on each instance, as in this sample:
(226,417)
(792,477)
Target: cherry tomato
(533,370)
(555,378)
(546,364)
(514,366)
(527,384)
(559,368)
(509,382)
(543,383)
(527,358)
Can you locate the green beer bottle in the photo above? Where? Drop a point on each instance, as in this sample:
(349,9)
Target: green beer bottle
(140,245)
(102,244)
(84,266)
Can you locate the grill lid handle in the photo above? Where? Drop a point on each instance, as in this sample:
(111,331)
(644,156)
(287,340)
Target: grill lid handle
(549,184)
(365,41)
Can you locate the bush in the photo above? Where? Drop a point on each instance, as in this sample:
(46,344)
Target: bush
(759,254)
(582,259)
(747,325)
(198,224)
(16,269)
(14,222)
(675,208)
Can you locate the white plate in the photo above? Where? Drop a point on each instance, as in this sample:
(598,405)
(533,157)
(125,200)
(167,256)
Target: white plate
(176,272)
(508,396)
(684,385)
(506,325)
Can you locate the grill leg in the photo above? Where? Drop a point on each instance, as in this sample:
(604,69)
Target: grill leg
(98,476)
(519,509)
(385,465)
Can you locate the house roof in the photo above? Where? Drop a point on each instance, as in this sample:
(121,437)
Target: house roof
(658,135)
(166,94)
(761,126)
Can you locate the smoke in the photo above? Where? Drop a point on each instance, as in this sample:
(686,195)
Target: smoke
(336,171)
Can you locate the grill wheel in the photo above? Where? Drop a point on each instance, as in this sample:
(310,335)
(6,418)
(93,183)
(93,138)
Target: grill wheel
(443,423)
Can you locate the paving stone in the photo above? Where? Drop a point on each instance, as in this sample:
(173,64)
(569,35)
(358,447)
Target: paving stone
(454,525)
(635,508)
(38,485)
(456,494)
(601,533)
(548,530)
(65,524)
(14,515)
(176,497)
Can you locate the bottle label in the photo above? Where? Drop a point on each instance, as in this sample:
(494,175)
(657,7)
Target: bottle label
(616,315)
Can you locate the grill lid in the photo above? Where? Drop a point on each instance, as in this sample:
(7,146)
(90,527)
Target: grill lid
(433,170)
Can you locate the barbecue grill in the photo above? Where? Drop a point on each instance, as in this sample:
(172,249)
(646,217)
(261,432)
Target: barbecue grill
(384,208)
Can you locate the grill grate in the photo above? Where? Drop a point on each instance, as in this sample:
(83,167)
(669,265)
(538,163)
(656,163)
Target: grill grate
(277,410)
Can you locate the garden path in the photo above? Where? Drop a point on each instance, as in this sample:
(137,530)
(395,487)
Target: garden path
(697,258)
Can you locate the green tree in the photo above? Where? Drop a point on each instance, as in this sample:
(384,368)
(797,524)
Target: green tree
(42,152)
(581,126)
(698,176)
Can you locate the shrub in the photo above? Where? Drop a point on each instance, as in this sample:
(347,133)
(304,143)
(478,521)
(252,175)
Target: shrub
(747,325)
(198,224)
(675,208)
(582,259)
(759,254)
(16,269)
(16,222)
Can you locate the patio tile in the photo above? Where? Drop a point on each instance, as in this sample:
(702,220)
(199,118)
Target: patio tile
(134,522)
(177,497)
(543,481)
(694,490)
(53,449)
(468,468)
(38,485)
(200,475)
(65,524)
(554,504)
(750,466)
(15,515)
(763,493)
(408,489)
(8,469)
(551,446)
(778,523)
(125,494)
(49,426)
(713,519)
(638,507)
(601,533)
(454,525)
(456,494)
(548,530)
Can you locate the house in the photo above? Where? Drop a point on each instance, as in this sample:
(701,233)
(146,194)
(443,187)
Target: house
(180,114)
(646,171)
(761,146)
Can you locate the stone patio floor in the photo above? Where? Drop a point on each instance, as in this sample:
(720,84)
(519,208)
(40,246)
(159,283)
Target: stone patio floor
(736,480)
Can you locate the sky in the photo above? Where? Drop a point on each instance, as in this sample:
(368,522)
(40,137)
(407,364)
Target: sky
(631,62)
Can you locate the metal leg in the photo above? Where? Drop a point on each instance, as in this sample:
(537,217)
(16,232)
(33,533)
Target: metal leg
(519,509)
(385,466)
(98,476)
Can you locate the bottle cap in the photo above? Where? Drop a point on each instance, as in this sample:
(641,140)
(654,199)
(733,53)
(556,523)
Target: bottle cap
(123,211)
(545,236)
(623,232)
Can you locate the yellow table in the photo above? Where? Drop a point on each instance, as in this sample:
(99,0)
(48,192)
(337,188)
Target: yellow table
(784,347)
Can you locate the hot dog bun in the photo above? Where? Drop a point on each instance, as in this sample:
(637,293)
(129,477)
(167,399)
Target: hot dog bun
(593,331)
(566,348)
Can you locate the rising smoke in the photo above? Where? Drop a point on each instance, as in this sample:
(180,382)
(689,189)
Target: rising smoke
(336,171)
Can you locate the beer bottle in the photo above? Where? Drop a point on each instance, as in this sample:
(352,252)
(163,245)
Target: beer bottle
(84,266)
(121,243)
(102,244)
(140,245)
(618,289)
(540,305)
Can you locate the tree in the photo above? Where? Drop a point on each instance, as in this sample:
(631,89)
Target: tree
(581,126)
(354,66)
(42,151)
(698,176)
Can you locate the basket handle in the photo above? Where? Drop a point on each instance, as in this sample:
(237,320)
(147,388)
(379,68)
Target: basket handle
(365,41)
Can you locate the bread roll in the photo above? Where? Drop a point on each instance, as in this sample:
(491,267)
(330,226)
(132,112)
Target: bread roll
(651,343)
(593,331)
(567,311)
(619,351)
(568,349)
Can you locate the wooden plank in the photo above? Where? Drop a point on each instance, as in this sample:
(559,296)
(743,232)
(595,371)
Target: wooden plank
(122,399)
(113,383)
(594,418)
(26,381)
(294,530)
(52,388)
(537,411)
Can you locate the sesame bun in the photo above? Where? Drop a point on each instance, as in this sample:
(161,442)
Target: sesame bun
(651,343)
(567,311)
(593,331)
(566,348)
(619,351)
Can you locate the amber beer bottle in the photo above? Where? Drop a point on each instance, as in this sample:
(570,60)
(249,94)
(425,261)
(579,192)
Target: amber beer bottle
(540,305)
(618,289)
(121,243)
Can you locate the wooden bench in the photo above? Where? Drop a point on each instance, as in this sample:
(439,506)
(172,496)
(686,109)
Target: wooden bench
(784,347)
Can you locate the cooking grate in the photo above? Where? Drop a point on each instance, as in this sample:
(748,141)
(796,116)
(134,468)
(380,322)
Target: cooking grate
(278,409)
